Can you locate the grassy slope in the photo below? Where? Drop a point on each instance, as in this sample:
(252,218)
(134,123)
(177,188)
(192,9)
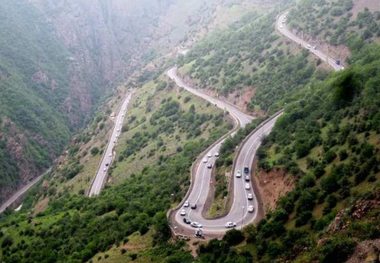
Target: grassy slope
(337,22)
(329,141)
(251,55)
(127,207)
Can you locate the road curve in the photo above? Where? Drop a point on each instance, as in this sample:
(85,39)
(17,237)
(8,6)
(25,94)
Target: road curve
(101,174)
(284,30)
(202,177)
(21,192)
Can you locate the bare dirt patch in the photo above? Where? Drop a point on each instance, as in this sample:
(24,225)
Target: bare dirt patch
(41,206)
(272,186)
(366,251)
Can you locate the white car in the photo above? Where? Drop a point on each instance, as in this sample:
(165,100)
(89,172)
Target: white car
(183,212)
(196,225)
(216,154)
(247,186)
(308,46)
(230,224)
(250,196)
(251,209)
(209,155)
(209,166)
(205,160)
(238,174)
(110,155)
(186,204)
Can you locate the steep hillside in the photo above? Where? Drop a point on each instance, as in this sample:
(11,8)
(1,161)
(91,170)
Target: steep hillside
(180,127)
(33,80)
(336,27)
(60,59)
(329,142)
(251,64)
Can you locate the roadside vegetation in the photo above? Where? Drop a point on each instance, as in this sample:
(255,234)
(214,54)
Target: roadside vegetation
(223,169)
(165,131)
(337,22)
(329,141)
(161,119)
(251,55)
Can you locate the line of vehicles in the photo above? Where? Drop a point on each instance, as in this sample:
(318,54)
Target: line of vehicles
(193,206)
(247,186)
(206,159)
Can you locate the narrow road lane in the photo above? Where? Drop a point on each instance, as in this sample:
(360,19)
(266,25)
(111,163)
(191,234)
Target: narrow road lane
(107,158)
(202,178)
(284,30)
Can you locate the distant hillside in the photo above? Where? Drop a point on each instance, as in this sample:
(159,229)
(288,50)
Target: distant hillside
(60,59)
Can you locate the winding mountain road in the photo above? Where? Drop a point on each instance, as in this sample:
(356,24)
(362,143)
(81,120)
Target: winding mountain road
(202,177)
(284,30)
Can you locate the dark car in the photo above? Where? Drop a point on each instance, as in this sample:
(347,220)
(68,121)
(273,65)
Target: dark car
(187,221)
(246,170)
(194,206)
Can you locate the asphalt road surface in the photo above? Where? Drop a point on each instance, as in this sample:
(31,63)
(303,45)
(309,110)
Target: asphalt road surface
(108,155)
(202,178)
(20,192)
(283,29)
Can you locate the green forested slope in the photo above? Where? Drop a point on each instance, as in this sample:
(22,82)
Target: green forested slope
(335,21)
(251,55)
(329,141)
(75,228)
(33,87)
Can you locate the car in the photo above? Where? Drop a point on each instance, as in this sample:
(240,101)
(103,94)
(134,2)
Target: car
(281,26)
(209,166)
(186,220)
(216,154)
(105,170)
(250,196)
(251,209)
(110,155)
(194,206)
(205,160)
(246,170)
(246,178)
(238,174)
(196,225)
(186,204)
(118,130)
(308,46)
(230,224)
(107,164)
(209,155)
(247,186)
(183,212)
